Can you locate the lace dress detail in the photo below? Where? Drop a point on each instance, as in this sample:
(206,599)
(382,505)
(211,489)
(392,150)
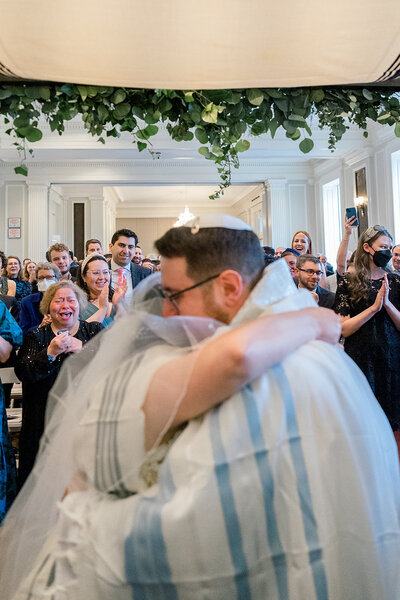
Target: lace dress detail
(375,347)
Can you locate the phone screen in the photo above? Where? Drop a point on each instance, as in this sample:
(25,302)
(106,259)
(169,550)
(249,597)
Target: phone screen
(351,212)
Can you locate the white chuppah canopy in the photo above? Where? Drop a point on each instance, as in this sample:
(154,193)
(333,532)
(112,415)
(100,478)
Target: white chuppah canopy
(187,44)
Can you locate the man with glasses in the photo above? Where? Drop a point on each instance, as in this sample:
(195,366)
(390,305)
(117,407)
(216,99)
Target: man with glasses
(281,479)
(309,271)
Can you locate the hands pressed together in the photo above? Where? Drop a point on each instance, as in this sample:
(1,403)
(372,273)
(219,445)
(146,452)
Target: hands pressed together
(382,297)
(63,343)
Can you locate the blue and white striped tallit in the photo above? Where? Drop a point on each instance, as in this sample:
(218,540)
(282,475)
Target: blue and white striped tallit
(287,491)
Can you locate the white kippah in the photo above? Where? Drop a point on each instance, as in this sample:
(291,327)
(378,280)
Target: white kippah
(217,220)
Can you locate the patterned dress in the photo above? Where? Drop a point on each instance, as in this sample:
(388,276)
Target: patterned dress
(24,288)
(10,331)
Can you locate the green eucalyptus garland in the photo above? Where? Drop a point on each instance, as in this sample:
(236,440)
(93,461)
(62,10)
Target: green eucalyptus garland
(219,119)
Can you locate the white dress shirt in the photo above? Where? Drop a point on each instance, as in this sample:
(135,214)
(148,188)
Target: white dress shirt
(115,271)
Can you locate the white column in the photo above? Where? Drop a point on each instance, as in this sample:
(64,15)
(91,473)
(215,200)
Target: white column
(110,213)
(97,218)
(267,224)
(38,221)
(279,213)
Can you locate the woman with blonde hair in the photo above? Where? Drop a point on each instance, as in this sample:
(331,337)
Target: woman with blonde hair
(369,299)
(40,358)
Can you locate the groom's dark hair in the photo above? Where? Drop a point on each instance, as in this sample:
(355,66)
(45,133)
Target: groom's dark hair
(214,249)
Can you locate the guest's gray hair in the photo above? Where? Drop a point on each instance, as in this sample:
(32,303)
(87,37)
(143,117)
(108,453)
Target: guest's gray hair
(48,266)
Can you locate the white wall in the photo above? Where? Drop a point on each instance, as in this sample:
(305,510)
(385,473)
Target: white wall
(148,230)
(13,203)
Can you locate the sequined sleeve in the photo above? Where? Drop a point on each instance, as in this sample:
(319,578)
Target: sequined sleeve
(342,300)
(32,362)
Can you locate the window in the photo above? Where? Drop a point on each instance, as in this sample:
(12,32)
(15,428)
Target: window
(332,222)
(396,194)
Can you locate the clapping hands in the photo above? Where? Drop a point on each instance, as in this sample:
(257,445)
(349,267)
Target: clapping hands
(382,297)
(119,293)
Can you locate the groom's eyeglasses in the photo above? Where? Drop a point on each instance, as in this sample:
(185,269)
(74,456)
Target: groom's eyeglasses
(172,297)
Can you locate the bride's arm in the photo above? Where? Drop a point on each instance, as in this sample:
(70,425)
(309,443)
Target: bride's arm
(220,368)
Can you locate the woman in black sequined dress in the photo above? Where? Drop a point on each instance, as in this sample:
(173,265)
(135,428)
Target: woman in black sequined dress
(370,299)
(40,359)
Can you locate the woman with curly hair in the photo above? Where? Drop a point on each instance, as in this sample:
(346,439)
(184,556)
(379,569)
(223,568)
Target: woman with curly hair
(369,301)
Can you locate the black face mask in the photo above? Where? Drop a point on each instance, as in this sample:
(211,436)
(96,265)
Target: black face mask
(381,258)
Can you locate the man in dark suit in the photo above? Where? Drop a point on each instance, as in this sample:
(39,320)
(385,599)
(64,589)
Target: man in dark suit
(122,249)
(30,316)
(309,270)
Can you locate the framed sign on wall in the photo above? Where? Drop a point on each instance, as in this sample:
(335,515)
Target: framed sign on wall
(14,228)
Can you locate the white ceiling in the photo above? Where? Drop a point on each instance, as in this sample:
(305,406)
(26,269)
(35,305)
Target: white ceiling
(179,194)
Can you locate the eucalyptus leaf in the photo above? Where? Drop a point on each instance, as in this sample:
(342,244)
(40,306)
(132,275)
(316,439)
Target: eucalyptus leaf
(201,135)
(397,129)
(295,135)
(258,128)
(273,126)
(367,94)
(118,96)
(217,151)
(272,93)
(306,145)
(141,146)
(5,94)
(21,170)
(22,121)
(121,111)
(82,91)
(33,92)
(102,112)
(289,126)
(239,128)
(45,92)
(151,130)
(204,151)
(282,104)
(242,146)
(317,96)
(255,96)
(32,134)
(164,105)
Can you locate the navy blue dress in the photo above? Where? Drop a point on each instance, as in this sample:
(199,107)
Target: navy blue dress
(10,331)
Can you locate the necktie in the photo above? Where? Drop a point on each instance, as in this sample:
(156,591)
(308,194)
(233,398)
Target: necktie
(121,278)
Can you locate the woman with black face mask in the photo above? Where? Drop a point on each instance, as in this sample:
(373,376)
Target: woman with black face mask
(369,301)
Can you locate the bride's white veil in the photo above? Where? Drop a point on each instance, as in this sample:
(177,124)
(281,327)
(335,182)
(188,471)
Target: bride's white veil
(35,510)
